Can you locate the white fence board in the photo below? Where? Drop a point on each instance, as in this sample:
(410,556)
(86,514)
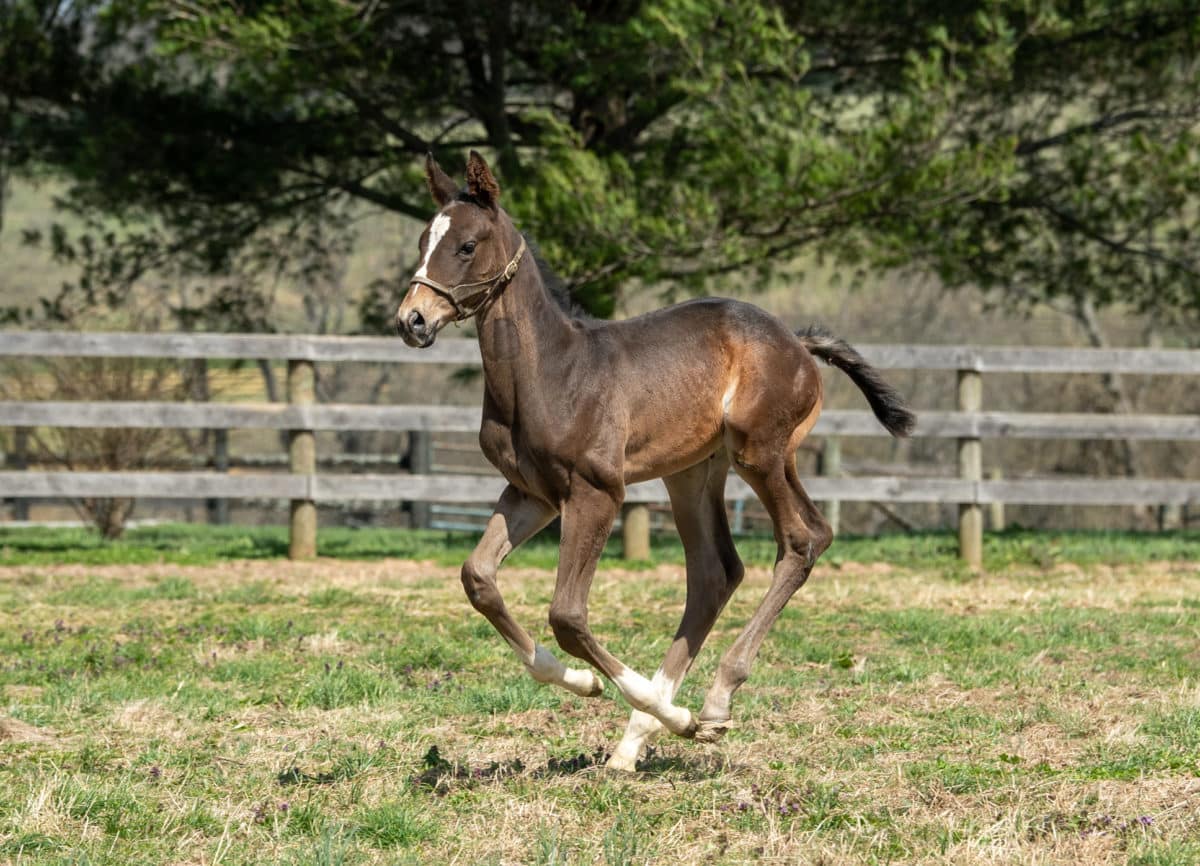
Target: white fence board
(450,350)
(269,347)
(465,419)
(483,488)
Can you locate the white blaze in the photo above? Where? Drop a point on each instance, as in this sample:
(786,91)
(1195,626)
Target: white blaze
(437,231)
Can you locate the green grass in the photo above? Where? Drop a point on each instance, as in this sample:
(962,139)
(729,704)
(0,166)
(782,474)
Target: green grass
(200,544)
(357,711)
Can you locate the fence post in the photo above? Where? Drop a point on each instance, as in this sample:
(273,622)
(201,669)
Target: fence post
(302,460)
(218,509)
(996,516)
(739,516)
(831,467)
(19,460)
(1171,517)
(970,468)
(420,462)
(635,531)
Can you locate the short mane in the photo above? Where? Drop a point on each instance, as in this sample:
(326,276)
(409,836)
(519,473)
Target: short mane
(554,284)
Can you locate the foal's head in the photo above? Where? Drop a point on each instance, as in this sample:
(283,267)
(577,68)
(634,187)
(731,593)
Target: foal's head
(465,254)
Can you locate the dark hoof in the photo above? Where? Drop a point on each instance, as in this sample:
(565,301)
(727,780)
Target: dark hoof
(711,730)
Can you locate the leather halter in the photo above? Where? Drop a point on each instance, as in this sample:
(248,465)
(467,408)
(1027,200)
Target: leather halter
(495,283)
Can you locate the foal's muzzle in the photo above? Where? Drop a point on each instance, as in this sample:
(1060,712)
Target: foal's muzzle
(416,323)
(414,330)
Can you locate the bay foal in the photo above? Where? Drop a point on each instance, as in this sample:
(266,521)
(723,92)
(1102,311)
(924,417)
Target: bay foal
(574,410)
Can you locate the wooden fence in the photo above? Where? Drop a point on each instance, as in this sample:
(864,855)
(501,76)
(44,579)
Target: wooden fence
(301,416)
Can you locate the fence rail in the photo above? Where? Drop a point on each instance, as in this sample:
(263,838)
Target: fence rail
(449,350)
(448,488)
(969,425)
(457,419)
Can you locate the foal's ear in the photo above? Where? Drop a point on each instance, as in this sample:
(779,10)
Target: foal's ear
(480,184)
(441,187)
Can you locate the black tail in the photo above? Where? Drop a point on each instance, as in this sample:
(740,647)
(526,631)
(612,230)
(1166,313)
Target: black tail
(885,400)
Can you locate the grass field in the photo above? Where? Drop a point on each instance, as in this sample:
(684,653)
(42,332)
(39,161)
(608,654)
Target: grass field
(199,544)
(188,697)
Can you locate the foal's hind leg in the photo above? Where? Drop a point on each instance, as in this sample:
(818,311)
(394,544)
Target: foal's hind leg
(518,517)
(713,573)
(802,534)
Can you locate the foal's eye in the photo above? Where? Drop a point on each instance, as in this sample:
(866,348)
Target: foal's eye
(467,248)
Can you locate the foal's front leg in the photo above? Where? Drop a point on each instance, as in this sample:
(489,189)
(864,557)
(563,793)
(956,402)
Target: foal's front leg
(587,519)
(518,517)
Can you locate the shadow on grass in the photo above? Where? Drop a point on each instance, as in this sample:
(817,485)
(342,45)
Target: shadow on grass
(296,776)
(440,776)
(690,768)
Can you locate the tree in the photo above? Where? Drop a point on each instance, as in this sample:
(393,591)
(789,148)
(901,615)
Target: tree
(1098,203)
(1042,147)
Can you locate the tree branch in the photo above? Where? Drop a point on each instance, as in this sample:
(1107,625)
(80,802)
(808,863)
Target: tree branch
(1024,148)
(412,142)
(1124,247)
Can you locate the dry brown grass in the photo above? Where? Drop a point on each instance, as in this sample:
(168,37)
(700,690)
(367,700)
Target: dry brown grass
(895,716)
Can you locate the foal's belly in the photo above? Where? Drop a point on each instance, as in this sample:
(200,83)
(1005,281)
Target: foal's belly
(665,443)
(649,466)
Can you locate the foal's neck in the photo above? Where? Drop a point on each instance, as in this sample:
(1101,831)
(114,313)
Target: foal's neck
(524,328)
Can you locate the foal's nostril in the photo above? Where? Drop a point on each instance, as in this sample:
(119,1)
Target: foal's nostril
(416,323)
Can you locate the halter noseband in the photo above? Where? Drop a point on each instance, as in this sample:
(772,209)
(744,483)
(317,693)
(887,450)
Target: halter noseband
(456,296)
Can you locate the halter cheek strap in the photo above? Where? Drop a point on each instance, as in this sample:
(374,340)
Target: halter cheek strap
(459,295)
